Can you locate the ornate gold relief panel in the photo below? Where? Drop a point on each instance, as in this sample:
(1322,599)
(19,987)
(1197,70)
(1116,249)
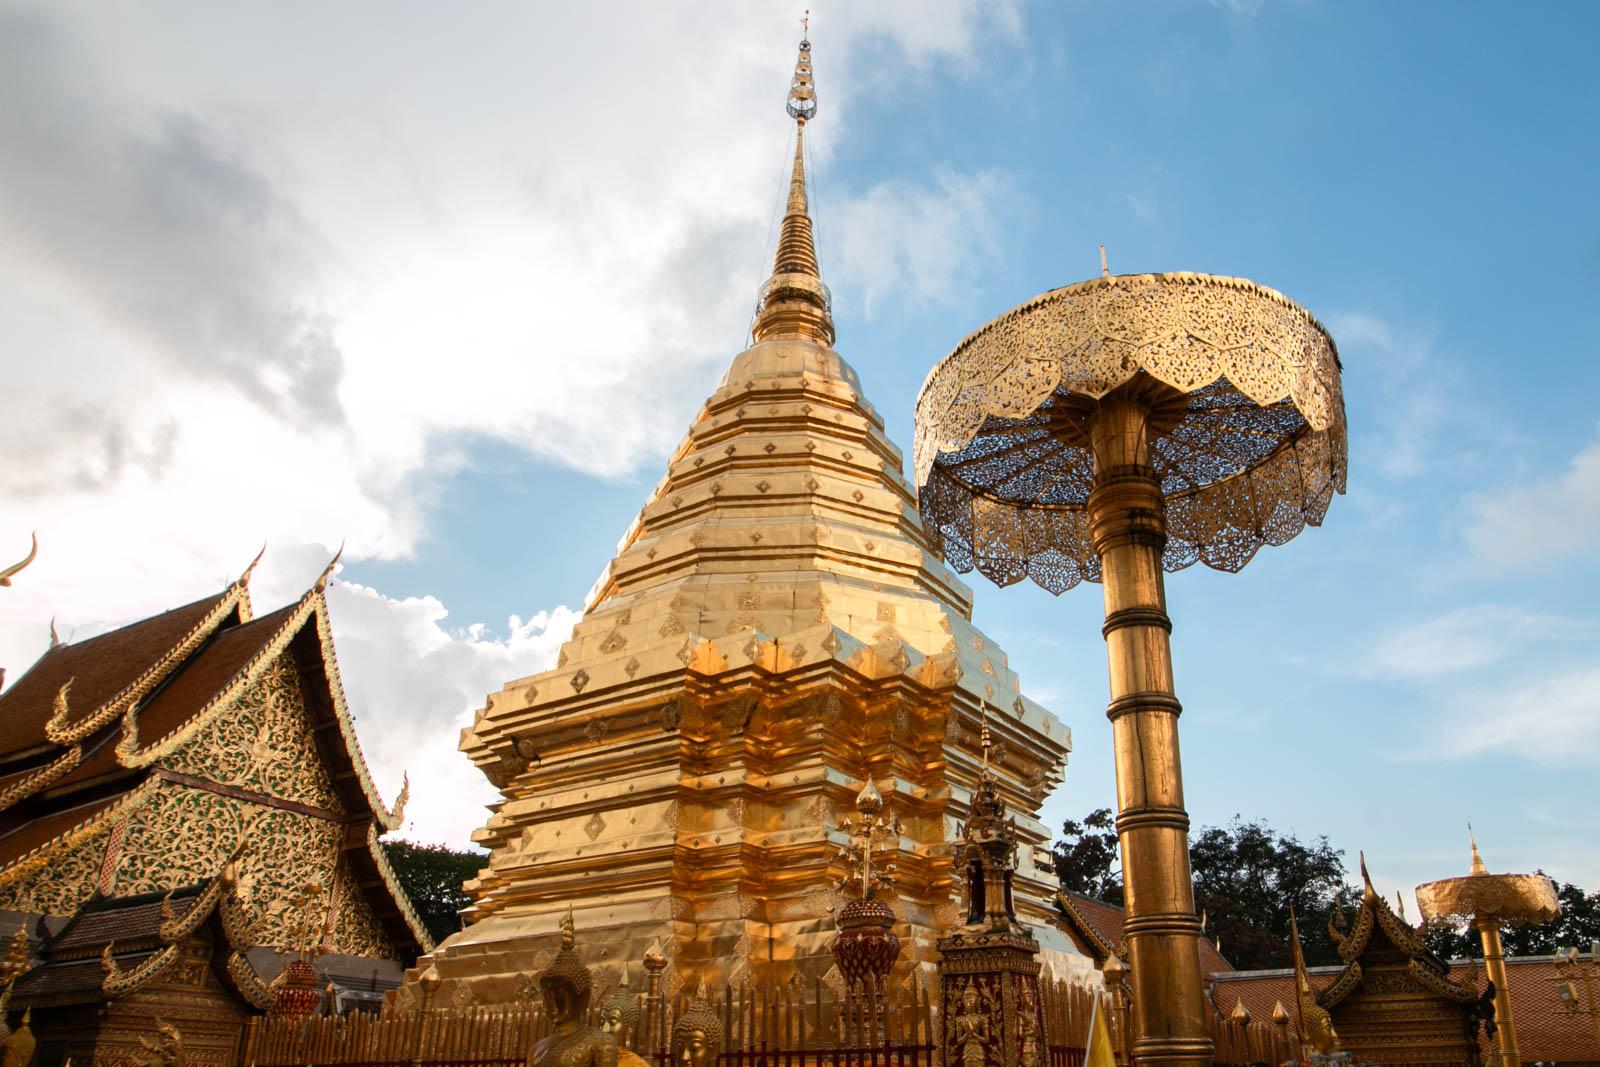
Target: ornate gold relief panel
(183,835)
(263,743)
(61,885)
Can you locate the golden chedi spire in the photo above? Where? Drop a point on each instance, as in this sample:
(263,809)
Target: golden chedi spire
(794,302)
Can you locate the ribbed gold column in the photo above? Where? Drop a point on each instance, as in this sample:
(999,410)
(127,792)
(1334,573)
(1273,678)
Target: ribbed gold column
(1494,962)
(1127,526)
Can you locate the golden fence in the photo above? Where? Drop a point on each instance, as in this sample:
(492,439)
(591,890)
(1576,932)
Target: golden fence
(792,1023)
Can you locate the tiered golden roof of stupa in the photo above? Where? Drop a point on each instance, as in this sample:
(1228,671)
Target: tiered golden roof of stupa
(773,630)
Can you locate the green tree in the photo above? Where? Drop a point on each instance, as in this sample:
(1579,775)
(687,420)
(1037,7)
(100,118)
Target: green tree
(1086,857)
(1577,926)
(1246,877)
(432,876)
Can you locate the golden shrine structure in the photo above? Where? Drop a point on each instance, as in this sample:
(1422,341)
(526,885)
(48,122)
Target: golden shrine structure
(774,631)
(176,797)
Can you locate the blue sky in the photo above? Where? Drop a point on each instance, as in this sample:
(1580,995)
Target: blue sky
(528,243)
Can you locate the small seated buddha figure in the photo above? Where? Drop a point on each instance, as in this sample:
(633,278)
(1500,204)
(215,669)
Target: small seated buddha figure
(566,986)
(619,1017)
(697,1035)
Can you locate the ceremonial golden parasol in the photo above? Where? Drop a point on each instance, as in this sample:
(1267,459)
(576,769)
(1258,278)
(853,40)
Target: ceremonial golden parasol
(1487,900)
(1106,431)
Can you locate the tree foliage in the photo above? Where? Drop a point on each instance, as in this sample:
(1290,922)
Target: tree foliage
(1086,857)
(1577,926)
(432,876)
(1246,877)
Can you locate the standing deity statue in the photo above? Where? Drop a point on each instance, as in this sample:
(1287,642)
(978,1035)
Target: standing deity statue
(619,1016)
(566,986)
(1029,1021)
(697,1035)
(971,1030)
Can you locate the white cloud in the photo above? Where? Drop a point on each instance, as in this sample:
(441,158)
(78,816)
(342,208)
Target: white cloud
(265,280)
(920,243)
(1551,719)
(1464,639)
(1403,390)
(414,682)
(1528,527)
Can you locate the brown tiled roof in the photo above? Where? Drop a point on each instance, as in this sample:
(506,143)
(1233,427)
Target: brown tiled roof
(1105,921)
(79,976)
(1260,990)
(99,668)
(118,920)
(1547,1030)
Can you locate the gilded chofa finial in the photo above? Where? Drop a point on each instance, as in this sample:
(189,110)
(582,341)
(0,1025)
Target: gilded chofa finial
(244,579)
(55,638)
(327,572)
(5,575)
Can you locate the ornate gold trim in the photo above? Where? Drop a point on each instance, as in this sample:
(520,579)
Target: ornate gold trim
(129,754)
(375,848)
(43,778)
(248,982)
(1439,984)
(56,728)
(388,819)
(39,857)
(119,982)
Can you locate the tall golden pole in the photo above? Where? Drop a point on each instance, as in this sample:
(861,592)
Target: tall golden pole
(1107,431)
(1127,527)
(1494,964)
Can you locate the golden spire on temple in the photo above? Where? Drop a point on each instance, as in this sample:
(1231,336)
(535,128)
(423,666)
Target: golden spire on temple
(794,302)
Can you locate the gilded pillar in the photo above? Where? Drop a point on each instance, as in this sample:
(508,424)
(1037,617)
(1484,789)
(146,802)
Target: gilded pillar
(1494,962)
(1127,528)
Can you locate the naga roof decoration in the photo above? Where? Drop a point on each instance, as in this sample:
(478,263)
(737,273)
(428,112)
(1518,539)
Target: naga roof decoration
(89,734)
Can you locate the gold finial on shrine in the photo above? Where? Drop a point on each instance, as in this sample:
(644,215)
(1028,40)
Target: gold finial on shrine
(794,302)
(5,575)
(1240,1015)
(55,638)
(569,930)
(1105,268)
(1478,866)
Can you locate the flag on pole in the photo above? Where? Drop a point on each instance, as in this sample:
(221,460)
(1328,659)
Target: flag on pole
(1100,1052)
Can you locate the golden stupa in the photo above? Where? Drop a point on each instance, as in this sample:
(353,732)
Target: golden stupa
(774,631)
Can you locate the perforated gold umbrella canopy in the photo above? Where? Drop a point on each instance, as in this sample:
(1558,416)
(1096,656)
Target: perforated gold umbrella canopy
(1247,424)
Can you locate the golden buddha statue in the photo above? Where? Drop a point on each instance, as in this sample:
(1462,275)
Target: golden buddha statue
(697,1035)
(566,986)
(619,1017)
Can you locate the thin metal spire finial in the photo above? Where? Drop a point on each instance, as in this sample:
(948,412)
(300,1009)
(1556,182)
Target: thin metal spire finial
(1105,270)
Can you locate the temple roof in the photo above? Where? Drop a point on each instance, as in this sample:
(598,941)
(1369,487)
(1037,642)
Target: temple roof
(138,693)
(1097,927)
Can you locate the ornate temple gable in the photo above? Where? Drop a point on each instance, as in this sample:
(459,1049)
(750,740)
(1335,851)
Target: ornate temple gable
(264,745)
(248,737)
(1394,1001)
